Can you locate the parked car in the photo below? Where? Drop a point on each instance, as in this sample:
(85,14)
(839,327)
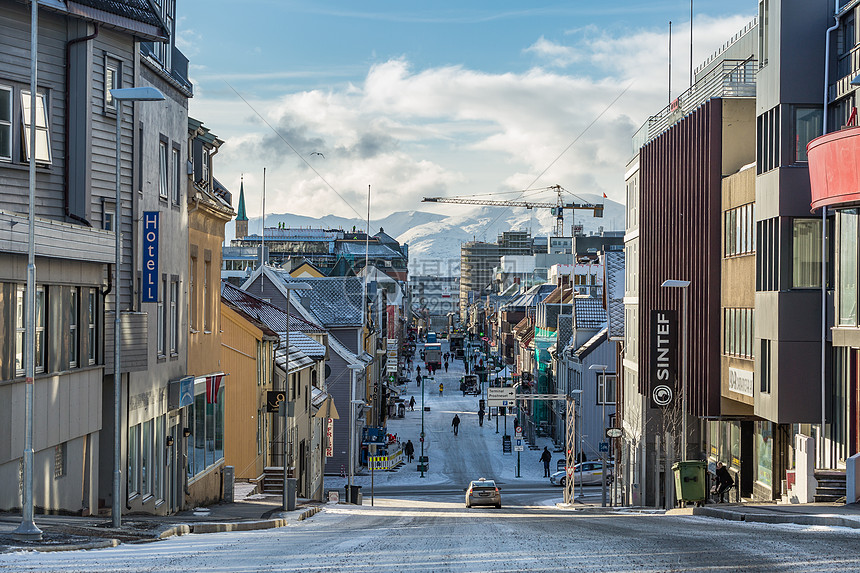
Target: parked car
(586,473)
(483,492)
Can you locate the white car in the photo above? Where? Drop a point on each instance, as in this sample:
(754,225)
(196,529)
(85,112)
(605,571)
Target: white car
(585,473)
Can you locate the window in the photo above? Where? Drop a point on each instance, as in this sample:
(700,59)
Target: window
(605,388)
(43,140)
(763,29)
(74,340)
(206,160)
(20,305)
(807,126)
(146,458)
(112,77)
(108,219)
(134,460)
(206,448)
(92,315)
(738,332)
(158,457)
(177,176)
(806,253)
(765,366)
(193,295)
(6,123)
(159,317)
(261,430)
(207,319)
(848,267)
(767,144)
(174,317)
(163,181)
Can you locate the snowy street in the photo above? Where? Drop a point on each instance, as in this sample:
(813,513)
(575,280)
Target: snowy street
(421,525)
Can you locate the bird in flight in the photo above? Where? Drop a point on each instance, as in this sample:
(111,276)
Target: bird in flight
(318,153)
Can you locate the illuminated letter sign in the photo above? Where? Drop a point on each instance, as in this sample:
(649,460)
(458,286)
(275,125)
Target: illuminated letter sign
(150,257)
(664,356)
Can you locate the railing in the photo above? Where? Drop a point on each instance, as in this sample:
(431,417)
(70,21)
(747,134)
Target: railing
(734,78)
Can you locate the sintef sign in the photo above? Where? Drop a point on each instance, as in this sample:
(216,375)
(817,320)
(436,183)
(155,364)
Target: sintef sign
(664,357)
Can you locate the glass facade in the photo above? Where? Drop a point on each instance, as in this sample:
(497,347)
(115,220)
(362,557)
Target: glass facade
(764,453)
(206,445)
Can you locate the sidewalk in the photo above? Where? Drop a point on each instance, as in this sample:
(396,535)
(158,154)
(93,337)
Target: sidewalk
(826,514)
(68,533)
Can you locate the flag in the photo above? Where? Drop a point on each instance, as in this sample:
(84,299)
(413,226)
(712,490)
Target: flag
(213,383)
(604,196)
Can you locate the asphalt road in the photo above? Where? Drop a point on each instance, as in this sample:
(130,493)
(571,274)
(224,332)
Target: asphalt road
(400,535)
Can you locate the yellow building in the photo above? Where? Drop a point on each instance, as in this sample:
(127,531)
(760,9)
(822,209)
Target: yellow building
(247,347)
(209,209)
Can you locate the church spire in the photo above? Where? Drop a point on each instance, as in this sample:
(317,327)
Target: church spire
(241,217)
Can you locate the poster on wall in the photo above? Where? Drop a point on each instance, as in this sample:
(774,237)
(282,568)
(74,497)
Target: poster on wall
(664,357)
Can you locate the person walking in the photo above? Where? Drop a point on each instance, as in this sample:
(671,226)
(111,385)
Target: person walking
(481,416)
(418,379)
(456,424)
(418,369)
(724,481)
(409,450)
(546,458)
(441,387)
(446,365)
(412,403)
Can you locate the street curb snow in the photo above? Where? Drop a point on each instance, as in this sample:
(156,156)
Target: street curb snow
(797,519)
(102,544)
(310,513)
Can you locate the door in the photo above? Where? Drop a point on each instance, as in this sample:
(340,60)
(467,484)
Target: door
(175,470)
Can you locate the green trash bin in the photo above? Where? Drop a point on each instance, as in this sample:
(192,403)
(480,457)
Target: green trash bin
(691,482)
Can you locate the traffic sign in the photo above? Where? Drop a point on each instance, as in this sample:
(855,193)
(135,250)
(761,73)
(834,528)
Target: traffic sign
(570,470)
(501,396)
(604,447)
(518,446)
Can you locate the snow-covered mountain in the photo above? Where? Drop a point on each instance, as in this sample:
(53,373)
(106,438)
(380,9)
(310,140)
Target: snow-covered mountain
(434,239)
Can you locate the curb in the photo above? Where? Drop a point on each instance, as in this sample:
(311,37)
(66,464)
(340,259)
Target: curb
(103,544)
(798,519)
(310,513)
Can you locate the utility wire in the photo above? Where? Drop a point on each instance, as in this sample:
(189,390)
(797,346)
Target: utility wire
(553,162)
(288,144)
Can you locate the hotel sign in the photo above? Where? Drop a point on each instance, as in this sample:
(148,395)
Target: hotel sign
(150,257)
(664,357)
(741,382)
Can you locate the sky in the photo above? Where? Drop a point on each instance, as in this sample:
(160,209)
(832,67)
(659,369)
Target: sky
(439,98)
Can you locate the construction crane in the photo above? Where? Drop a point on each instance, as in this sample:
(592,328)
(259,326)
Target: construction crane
(557,208)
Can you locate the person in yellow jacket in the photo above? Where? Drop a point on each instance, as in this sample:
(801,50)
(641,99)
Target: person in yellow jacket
(441,387)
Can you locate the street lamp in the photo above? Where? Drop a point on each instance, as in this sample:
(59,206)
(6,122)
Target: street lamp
(355,368)
(121,95)
(288,287)
(603,472)
(686,294)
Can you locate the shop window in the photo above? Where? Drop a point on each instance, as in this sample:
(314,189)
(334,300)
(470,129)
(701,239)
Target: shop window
(764,453)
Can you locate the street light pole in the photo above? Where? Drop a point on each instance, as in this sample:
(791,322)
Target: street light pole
(28,530)
(605,462)
(119,95)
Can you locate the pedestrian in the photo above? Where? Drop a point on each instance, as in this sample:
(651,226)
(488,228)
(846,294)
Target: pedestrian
(412,403)
(409,450)
(724,481)
(418,369)
(481,416)
(546,458)
(516,423)
(446,365)
(441,387)
(418,379)
(456,424)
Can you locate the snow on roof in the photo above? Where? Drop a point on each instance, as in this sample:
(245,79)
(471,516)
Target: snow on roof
(588,312)
(272,316)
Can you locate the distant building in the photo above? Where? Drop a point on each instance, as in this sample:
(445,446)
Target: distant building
(479,259)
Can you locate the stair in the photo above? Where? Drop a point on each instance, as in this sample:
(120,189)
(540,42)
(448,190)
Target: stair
(273,479)
(831,485)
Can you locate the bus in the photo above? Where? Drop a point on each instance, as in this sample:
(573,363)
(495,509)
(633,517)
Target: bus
(433,354)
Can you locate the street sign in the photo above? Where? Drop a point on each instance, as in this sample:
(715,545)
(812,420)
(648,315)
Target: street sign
(518,445)
(501,396)
(614,432)
(604,447)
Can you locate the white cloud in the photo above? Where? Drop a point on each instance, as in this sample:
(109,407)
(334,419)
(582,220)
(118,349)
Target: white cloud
(452,130)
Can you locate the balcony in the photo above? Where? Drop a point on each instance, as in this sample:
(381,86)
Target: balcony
(834,168)
(731,79)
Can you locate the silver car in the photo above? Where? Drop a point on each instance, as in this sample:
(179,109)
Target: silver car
(483,492)
(585,473)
